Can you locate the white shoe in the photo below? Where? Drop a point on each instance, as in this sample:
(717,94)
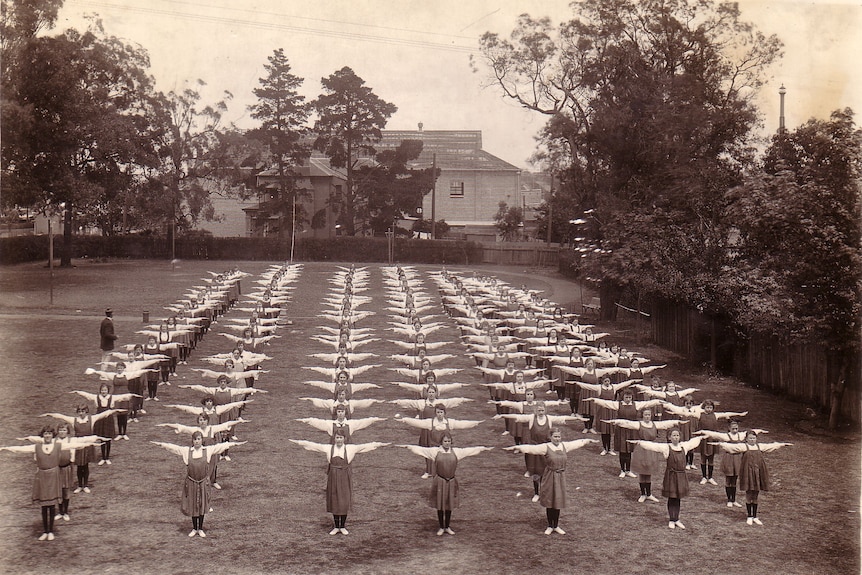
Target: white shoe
(344,531)
(193,532)
(201,533)
(612,452)
(148,398)
(535,499)
(737,504)
(78,490)
(144,411)
(652,498)
(449,531)
(593,431)
(642,498)
(86,490)
(679,524)
(156,398)
(730,504)
(58,516)
(712,481)
(526,474)
(216,485)
(227,457)
(50,536)
(425,476)
(44,536)
(749,521)
(107,462)
(66,517)
(703,481)
(630,474)
(558,530)
(233,438)
(118,437)
(671,525)
(757,521)
(126,437)
(505,433)
(604,452)
(101,462)
(440,532)
(549,530)
(622,474)
(333,531)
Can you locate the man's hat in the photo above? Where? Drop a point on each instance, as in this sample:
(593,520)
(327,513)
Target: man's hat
(108,311)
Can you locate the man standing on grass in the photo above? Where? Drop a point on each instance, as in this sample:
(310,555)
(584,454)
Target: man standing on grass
(106,333)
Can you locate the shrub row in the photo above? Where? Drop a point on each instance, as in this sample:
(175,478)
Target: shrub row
(21,249)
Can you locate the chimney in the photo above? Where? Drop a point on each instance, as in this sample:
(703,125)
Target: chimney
(781,91)
(420,126)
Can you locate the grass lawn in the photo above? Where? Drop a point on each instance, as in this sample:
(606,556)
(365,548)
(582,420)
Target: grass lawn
(270,517)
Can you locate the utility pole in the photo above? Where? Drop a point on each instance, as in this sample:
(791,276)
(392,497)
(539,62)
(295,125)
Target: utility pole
(550,207)
(434,197)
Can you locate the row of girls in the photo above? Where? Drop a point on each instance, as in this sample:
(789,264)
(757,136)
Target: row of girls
(409,320)
(215,411)
(127,378)
(339,398)
(527,348)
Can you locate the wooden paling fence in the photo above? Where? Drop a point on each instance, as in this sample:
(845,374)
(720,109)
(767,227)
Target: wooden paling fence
(521,253)
(795,371)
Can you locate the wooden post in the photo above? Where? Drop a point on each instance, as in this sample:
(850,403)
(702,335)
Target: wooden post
(51,259)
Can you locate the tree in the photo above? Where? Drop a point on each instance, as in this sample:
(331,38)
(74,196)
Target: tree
(652,102)
(20,22)
(797,259)
(283,114)
(350,119)
(77,123)
(509,221)
(392,190)
(192,161)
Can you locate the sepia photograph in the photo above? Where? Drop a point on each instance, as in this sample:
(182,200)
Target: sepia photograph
(386,287)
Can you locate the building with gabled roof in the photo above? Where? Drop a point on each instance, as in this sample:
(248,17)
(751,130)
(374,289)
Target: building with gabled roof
(318,182)
(472,182)
(468,191)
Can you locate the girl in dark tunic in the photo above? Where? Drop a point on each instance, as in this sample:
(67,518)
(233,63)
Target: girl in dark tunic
(83,425)
(627,409)
(675,483)
(196,485)
(339,477)
(552,492)
(47,485)
(753,474)
(445,495)
(644,464)
(540,425)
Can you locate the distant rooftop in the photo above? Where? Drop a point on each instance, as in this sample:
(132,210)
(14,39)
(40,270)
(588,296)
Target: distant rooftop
(455,149)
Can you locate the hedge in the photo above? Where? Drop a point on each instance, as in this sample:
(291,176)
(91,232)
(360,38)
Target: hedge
(21,249)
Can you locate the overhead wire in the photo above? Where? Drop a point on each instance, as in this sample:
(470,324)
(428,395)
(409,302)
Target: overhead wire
(287,27)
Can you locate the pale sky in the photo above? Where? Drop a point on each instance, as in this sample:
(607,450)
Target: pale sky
(415,54)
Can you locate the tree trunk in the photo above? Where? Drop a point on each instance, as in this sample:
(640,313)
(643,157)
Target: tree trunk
(609,294)
(836,378)
(66,253)
(713,343)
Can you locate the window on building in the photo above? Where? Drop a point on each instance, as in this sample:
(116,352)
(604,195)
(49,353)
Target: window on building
(456,188)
